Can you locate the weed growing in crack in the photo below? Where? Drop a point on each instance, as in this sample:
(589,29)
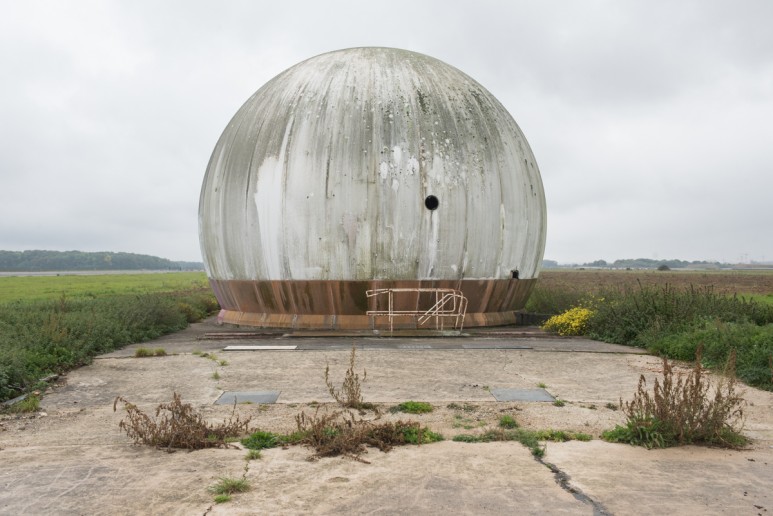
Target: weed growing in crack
(252,455)
(177,425)
(145,352)
(260,440)
(529,438)
(466,407)
(229,486)
(559,403)
(350,394)
(684,410)
(341,433)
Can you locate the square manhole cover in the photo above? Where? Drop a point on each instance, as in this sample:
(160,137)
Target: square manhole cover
(522,395)
(228,397)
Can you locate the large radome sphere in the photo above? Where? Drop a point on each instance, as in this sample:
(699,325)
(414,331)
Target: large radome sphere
(370,168)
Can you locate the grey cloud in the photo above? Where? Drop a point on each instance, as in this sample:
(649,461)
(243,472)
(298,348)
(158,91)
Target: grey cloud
(649,119)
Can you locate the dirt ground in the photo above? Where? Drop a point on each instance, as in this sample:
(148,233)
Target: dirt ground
(71,457)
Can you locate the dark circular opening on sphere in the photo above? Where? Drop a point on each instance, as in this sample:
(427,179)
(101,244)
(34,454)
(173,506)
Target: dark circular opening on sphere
(431,202)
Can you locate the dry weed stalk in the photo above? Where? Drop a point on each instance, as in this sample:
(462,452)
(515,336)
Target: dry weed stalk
(350,395)
(341,433)
(177,425)
(683,410)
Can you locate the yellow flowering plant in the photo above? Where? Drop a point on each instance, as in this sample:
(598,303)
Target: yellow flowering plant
(572,322)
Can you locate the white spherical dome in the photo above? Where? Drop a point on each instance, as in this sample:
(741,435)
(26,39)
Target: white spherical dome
(369,165)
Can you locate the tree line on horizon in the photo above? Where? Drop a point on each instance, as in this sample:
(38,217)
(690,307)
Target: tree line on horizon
(39,261)
(637,263)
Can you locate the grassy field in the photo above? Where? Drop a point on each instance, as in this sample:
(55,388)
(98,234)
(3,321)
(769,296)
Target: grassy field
(24,288)
(50,324)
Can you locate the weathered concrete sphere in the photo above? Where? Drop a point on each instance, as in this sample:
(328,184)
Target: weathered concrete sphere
(370,168)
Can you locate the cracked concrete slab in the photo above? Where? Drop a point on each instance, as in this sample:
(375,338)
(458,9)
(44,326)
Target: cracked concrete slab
(685,480)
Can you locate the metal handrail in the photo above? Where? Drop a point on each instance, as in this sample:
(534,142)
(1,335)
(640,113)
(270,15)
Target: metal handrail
(440,310)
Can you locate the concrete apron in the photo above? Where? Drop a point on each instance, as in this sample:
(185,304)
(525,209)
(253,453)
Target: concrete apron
(75,460)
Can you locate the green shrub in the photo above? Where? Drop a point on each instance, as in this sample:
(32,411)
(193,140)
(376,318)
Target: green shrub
(673,322)
(625,315)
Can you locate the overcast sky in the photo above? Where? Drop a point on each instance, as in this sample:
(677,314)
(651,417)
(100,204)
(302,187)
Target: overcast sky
(651,121)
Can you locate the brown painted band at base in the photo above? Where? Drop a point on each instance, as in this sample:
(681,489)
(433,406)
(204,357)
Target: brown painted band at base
(319,304)
(360,322)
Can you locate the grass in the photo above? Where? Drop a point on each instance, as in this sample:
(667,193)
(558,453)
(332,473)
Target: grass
(29,404)
(260,440)
(215,375)
(145,352)
(252,455)
(464,422)
(37,288)
(759,298)
(508,421)
(529,438)
(684,410)
(559,403)
(229,486)
(466,407)
(413,407)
